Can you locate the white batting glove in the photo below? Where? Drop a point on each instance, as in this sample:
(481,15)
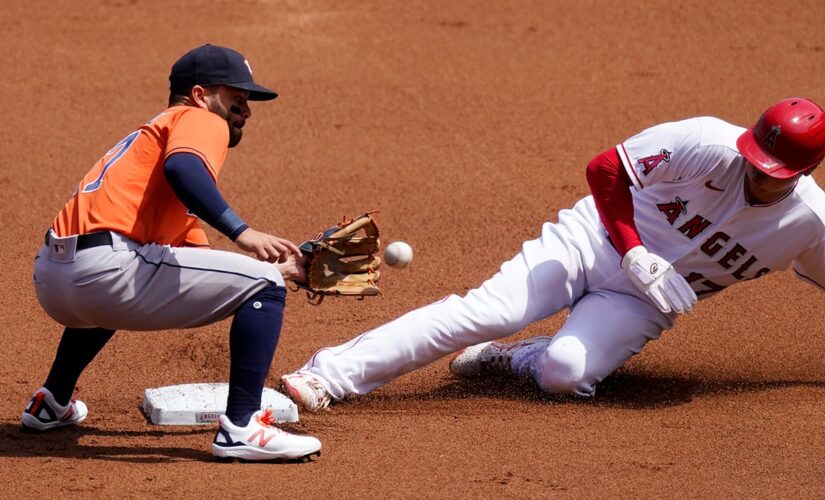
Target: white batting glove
(658,280)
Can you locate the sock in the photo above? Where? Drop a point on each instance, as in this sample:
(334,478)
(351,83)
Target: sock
(252,340)
(522,364)
(76,350)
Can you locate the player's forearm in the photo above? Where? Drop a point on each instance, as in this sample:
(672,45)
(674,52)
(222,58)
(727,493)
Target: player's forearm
(193,185)
(611,191)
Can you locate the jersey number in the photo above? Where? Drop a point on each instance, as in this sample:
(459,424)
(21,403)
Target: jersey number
(116,153)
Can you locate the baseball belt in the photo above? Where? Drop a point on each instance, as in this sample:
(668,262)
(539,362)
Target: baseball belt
(91,240)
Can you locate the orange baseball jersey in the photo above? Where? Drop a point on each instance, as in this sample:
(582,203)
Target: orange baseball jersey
(127,192)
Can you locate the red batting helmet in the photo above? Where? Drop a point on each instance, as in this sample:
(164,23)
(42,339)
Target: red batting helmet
(788,139)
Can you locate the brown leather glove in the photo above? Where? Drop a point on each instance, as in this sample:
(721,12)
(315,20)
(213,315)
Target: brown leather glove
(343,260)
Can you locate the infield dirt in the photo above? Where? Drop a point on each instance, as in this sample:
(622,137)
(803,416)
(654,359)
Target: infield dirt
(467,124)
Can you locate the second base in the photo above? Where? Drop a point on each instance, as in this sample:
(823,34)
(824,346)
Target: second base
(199,404)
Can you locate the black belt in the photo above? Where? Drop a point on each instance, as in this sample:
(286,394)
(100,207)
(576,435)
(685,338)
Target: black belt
(90,240)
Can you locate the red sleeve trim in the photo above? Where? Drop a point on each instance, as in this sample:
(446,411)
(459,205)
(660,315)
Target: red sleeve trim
(610,185)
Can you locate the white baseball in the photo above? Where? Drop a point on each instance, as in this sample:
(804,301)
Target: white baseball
(398,254)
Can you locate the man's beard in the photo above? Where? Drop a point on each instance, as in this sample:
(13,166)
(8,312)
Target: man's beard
(235,134)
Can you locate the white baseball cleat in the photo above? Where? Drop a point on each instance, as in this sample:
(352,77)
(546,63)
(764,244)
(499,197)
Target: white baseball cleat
(307,390)
(497,358)
(43,413)
(261,440)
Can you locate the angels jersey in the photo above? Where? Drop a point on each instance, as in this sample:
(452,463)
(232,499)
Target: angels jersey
(691,208)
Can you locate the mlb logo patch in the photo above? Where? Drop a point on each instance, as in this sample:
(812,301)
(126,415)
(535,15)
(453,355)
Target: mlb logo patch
(59,248)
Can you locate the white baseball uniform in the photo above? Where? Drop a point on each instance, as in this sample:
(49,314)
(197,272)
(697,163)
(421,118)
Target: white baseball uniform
(690,208)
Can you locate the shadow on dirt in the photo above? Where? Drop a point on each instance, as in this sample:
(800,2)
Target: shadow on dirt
(86,441)
(621,390)
(628,390)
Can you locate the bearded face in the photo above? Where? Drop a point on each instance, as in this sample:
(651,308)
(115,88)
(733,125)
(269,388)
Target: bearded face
(231,105)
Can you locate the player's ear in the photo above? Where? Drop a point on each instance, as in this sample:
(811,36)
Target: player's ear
(198,96)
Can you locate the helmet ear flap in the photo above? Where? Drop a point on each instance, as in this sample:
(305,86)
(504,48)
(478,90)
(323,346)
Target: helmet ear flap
(787,140)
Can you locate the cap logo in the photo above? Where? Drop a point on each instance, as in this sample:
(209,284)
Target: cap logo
(248,66)
(770,140)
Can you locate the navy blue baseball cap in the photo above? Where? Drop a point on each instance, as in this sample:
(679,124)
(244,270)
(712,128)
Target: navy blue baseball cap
(215,65)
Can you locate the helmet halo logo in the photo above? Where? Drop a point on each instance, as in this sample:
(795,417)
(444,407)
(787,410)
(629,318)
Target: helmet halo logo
(770,140)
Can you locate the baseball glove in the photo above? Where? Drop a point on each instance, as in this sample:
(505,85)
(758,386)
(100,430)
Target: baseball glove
(343,260)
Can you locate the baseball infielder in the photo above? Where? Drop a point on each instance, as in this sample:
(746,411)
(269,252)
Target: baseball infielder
(127,252)
(678,212)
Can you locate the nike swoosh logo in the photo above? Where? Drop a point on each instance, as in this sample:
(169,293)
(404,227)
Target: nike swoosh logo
(712,187)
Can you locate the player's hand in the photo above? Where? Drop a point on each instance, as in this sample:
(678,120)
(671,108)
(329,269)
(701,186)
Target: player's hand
(294,268)
(657,278)
(265,246)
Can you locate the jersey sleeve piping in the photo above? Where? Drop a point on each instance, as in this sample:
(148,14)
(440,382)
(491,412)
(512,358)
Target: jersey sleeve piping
(631,172)
(199,154)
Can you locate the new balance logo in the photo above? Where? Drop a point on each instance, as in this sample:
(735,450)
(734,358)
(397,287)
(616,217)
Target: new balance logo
(68,414)
(262,437)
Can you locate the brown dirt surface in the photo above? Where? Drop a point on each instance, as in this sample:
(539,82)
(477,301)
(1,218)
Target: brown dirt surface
(467,124)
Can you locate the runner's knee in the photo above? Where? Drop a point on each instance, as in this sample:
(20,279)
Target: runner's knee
(562,368)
